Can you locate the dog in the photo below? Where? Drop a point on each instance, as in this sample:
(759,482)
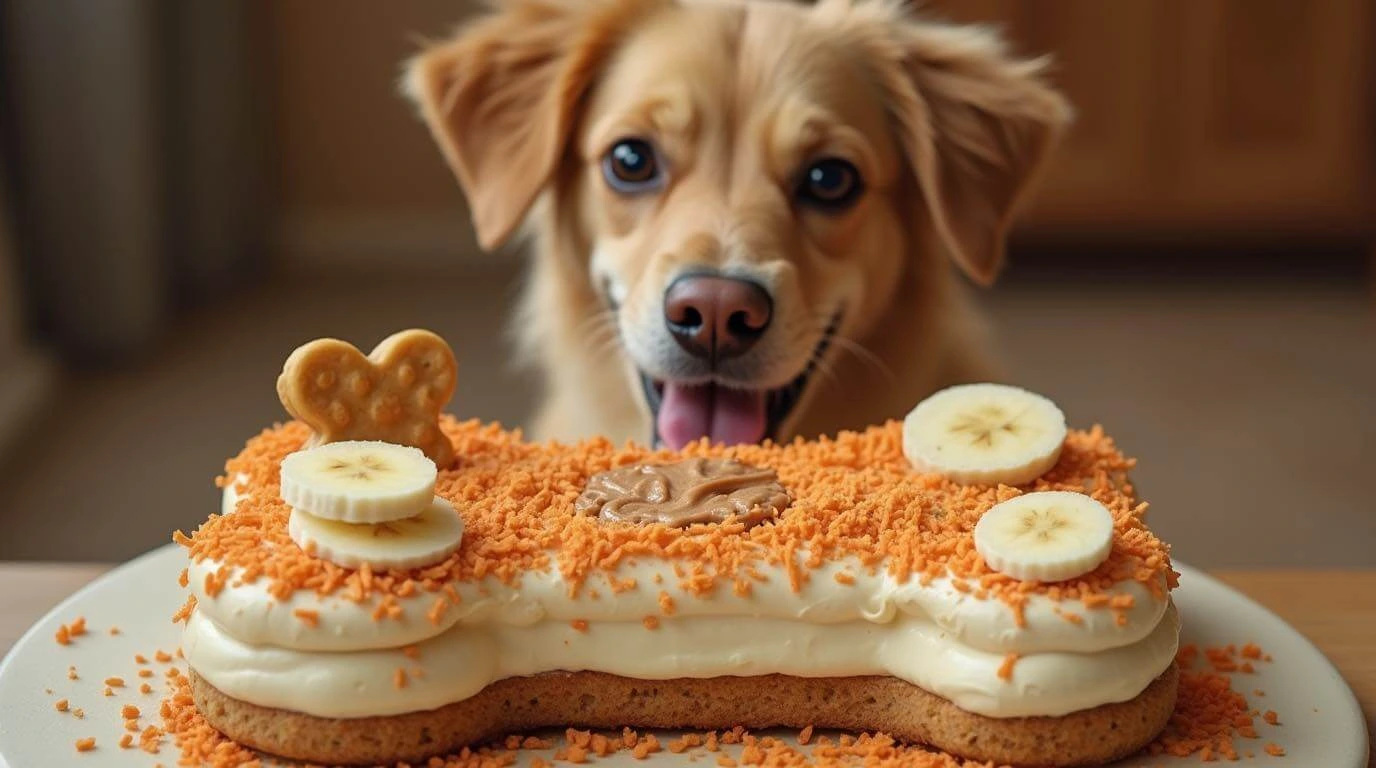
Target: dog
(745,213)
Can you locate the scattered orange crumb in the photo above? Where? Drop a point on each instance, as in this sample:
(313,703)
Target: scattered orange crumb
(162,657)
(114,631)
(115,682)
(1209,714)
(805,735)
(140,659)
(86,745)
(71,673)
(109,691)
(126,741)
(78,626)
(63,635)
(129,711)
(650,622)
(145,688)
(579,624)
(725,761)
(145,673)
(1274,750)
(79,713)
(666,603)
(851,493)
(844,577)
(308,617)
(1251,651)
(1271,717)
(1006,668)
(60,705)
(399,678)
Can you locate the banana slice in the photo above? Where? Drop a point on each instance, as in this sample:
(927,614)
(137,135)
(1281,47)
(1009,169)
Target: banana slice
(1045,536)
(359,481)
(984,433)
(414,542)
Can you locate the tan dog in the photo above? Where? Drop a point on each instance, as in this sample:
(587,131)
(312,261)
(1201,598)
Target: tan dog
(744,211)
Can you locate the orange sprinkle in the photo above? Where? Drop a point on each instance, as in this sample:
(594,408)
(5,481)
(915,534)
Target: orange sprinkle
(115,682)
(145,688)
(145,673)
(399,679)
(162,657)
(129,711)
(114,631)
(650,622)
(411,652)
(86,744)
(855,496)
(805,735)
(140,659)
(63,635)
(60,705)
(844,577)
(126,741)
(1251,651)
(78,627)
(308,617)
(666,603)
(1006,668)
(580,625)
(436,613)
(1271,717)
(1274,750)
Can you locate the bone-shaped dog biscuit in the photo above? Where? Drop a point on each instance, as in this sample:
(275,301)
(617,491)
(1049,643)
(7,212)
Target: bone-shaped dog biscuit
(394,394)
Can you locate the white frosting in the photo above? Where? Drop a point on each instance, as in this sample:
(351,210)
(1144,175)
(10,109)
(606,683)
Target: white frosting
(252,616)
(460,662)
(253,647)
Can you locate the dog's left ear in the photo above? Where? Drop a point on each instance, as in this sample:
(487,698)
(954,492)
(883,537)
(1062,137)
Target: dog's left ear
(977,126)
(501,97)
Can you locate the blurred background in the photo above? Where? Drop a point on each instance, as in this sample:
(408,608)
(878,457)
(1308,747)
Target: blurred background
(190,190)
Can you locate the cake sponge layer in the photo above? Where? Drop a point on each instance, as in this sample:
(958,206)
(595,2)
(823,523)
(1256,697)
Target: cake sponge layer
(596,700)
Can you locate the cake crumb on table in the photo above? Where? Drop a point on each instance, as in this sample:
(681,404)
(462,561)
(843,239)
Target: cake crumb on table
(60,705)
(86,745)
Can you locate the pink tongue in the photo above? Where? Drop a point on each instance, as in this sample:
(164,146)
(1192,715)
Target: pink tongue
(729,416)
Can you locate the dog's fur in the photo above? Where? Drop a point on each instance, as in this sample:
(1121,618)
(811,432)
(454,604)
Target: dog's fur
(738,96)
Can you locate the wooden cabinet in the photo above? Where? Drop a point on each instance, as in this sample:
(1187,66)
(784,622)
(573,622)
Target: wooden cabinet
(1214,116)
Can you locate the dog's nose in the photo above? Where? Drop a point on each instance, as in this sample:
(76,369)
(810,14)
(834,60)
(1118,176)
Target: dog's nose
(716,317)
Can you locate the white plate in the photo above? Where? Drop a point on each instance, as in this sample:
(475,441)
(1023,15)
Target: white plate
(1322,724)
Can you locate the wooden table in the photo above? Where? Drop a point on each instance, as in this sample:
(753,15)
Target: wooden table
(1334,609)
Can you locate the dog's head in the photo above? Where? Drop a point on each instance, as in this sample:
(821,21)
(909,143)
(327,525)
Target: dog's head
(744,182)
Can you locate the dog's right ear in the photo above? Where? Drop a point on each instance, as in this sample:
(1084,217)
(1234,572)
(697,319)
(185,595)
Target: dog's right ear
(501,97)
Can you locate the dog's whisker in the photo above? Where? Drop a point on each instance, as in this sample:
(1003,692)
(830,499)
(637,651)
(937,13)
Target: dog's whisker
(864,355)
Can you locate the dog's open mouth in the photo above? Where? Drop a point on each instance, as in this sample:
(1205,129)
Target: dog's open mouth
(725,413)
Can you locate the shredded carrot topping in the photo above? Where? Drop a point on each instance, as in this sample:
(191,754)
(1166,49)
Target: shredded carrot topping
(853,496)
(1006,668)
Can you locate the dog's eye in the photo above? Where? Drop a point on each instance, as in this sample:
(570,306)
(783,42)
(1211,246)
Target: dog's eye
(630,166)
(831,183)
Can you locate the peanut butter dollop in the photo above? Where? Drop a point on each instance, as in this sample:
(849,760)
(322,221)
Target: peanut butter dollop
(697,490)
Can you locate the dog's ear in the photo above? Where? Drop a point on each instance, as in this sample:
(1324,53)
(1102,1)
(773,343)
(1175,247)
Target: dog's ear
(501,97)
(976,125)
